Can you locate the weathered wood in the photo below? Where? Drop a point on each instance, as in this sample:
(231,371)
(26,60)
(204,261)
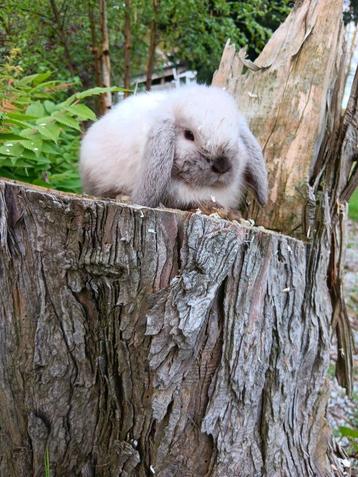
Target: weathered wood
(135,339)
(289,98)
(337,169)
(292,96)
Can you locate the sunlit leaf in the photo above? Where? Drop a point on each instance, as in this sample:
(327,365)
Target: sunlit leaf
(36,109)
(82,111)
(67,120)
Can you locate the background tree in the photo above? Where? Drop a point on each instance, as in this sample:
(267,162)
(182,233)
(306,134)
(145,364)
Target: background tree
(127,45)
(153,40)
(190,31)
(106,98)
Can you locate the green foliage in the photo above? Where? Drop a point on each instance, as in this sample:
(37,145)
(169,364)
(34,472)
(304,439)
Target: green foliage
(350,13)
(39,135)
(40,129)
(194,32)
(353,206)
(189,31)
(349,432)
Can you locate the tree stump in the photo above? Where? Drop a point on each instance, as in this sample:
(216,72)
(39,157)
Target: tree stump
(138,342)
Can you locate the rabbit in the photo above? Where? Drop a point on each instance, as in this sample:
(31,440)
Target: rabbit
(179,148)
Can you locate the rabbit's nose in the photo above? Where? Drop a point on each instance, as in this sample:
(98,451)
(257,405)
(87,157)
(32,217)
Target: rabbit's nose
(221,165)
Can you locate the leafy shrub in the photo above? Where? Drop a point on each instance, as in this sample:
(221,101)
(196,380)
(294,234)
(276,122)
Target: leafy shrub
(39,136)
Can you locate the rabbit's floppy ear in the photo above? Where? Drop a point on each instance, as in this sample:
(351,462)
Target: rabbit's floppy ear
(157,164)
(255,171)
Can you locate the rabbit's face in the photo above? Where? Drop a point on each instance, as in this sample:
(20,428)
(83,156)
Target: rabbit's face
(198,162)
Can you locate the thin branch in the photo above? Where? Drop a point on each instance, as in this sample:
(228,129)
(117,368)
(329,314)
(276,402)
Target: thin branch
(106,98)
(62,37)
(152,43)
(127,45)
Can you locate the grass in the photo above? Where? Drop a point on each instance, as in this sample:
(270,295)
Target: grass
(47,463)
(353,206)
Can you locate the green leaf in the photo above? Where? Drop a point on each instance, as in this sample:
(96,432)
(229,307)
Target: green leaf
(82,111)
(41,161)
(51,148)
(36,109)
(4,137)
(50,106)
(35,79)
(29,132)
(48,85)
(6,162)
(15,150)
(9,121)
(49,130)
(42,183)
(34,146)
(41,77)
(67,120)
(21,162)
(348,432)
(20,116)
(92,92)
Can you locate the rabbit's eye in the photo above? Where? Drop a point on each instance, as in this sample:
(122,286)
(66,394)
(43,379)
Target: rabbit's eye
(188,135)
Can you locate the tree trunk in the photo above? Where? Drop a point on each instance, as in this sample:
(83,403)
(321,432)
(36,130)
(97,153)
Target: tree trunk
(140,342)
(62,36)
(136,339)
(106,98)
(292,96)
(95,52)
(152,43)
(94,43)
(127,46)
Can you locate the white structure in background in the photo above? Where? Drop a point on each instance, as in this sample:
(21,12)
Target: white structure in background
(167,77)
(186,77)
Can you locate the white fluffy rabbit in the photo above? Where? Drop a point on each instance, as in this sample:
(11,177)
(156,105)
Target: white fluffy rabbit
(181,148)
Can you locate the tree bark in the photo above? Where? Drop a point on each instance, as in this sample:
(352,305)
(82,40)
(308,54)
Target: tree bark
(292,96)
(94,43)
(106,98)
(127,46)
(62,36)
(136,339)
(153,40)
(96,55)
(285,95)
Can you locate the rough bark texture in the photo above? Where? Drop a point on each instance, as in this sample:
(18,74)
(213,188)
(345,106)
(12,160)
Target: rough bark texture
(153,40)
(62,37)
(286,95)
(136,339)
(337,169)
(106,98)
(292,97)
(94,44)
(127,45)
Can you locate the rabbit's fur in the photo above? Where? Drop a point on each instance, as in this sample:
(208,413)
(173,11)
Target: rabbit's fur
(181,148)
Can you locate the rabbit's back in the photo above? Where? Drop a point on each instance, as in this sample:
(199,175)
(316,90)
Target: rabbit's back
(112,148)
